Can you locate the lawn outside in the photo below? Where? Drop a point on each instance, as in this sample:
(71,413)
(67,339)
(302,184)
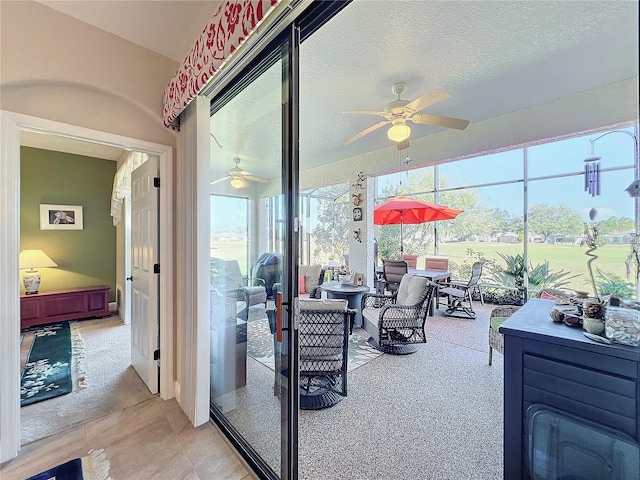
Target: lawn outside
(571,258)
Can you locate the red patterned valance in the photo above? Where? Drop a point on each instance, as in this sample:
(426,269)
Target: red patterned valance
(228,28)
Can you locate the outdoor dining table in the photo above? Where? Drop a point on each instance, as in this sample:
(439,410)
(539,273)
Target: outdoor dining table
(433,275)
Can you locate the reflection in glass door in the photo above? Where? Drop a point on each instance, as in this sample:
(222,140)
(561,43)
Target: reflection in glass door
(248,391)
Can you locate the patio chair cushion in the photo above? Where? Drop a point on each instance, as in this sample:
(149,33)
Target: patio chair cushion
(324,304)
(311,275)
(371,315)
(411,289)
(496,322)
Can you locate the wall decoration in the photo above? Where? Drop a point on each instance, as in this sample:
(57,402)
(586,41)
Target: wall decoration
(357,214)
(61,217)
(356,235)
(360,182)
(356,198)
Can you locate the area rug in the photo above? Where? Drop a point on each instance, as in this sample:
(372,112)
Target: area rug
(260,346)
(47,371)
(104,381)
(94,466)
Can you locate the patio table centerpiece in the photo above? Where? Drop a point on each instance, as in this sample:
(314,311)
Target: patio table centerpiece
(344,276)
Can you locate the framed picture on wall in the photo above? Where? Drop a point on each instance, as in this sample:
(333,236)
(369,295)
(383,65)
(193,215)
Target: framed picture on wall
(60,217)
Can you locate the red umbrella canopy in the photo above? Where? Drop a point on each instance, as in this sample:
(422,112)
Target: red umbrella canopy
(407,210)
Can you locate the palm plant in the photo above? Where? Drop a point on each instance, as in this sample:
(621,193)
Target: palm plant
(511,274)
(612,284)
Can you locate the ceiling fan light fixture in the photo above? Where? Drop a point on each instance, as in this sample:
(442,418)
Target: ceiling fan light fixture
(399,132)
(238,182)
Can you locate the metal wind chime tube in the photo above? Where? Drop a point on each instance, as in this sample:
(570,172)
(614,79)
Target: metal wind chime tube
(592,174)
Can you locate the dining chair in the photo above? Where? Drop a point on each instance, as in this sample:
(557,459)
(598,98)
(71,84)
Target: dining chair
(392,273)
(437,264)
(412,260)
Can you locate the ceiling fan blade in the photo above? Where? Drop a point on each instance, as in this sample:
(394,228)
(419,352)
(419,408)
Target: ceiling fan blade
(253,178)
(440,121)
(403,145)
(365,112)
(364,132)
(427,99)
(220,180)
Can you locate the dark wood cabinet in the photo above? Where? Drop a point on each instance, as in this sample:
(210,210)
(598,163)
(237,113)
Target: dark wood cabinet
(59,305)
(552,365)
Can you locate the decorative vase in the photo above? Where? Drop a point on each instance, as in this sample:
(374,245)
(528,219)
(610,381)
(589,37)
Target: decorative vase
(593,325)
(344,279)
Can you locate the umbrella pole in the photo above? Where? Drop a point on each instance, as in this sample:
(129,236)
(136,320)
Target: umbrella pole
(401,245)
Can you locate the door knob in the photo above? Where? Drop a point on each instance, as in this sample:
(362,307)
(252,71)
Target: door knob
(129,278)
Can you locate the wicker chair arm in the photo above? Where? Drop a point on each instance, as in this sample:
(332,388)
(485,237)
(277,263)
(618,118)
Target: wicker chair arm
(399,311)
(376,300)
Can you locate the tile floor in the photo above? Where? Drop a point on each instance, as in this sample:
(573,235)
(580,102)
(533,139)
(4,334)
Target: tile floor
(150,440)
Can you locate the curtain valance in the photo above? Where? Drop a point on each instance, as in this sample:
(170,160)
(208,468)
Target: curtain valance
(227,30)
(122,183)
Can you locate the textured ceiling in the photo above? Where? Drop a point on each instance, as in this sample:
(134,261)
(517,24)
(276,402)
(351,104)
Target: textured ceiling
(497,59)
(494,58)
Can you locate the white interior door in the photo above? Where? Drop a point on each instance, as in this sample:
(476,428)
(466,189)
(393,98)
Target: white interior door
(145,283)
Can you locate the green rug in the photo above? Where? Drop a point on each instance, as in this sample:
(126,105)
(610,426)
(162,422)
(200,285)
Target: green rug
(260,346)
(47,372)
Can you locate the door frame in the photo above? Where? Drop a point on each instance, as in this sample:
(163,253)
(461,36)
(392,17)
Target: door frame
(11,126)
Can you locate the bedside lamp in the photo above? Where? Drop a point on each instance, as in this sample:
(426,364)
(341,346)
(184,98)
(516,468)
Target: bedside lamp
(33,259)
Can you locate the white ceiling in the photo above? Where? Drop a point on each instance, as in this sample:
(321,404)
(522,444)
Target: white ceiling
(494,57)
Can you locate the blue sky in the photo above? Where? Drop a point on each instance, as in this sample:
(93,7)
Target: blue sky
(566,156)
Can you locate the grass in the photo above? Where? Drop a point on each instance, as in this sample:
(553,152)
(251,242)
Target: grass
(570,258)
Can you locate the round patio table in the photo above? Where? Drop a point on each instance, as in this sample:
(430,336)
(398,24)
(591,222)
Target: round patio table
(351,293)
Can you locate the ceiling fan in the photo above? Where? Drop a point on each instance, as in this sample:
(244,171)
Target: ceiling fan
(399,112)
(239,177)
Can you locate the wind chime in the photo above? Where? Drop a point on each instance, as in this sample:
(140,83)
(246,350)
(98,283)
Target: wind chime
(592,174)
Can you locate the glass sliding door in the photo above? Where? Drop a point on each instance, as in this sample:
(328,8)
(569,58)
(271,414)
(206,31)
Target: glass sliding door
(252,167)
(255,219)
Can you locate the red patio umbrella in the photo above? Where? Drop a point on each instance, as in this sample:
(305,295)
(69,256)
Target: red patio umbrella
(406,210)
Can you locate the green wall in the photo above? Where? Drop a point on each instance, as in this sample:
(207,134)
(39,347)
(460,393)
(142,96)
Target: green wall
(84,257)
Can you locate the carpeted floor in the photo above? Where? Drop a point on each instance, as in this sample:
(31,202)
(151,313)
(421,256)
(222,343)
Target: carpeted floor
(111,383)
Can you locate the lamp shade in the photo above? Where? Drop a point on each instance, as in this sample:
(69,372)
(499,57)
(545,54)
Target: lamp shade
(35,259)
(399,132)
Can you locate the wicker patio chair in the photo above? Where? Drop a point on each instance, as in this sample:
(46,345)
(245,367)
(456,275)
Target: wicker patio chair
(324,342)
(396,322)
(496,317)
